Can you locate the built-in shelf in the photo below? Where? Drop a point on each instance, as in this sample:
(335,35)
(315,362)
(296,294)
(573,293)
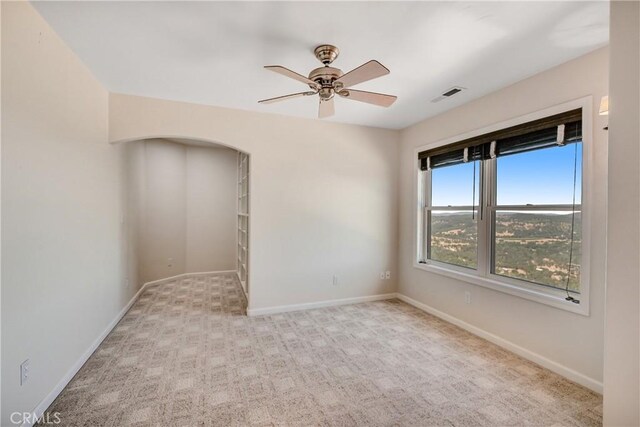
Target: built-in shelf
(243,220)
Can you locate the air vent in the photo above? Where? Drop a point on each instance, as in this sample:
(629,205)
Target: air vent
(448,93)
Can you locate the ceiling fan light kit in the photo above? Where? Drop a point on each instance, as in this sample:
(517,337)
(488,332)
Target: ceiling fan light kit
(327,81)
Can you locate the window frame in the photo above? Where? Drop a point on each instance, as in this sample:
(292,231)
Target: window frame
(483,275)
(428,208)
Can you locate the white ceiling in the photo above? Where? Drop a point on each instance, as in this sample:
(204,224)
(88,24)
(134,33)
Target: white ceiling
(213,52)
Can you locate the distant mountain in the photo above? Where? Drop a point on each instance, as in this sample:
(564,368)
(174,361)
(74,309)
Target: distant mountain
(529,246)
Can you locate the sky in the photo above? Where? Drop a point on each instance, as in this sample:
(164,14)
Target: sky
(536,177)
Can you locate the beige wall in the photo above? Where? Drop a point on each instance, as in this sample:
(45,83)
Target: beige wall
(323,195)
(163,221)
(63,240)
(212,192)
(568,339)
(132,187)
(188,222)
(622,332)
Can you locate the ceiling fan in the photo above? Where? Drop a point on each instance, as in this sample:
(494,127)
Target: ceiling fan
(328,81)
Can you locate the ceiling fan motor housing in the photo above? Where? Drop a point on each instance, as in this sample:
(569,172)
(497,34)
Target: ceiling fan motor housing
(325,76)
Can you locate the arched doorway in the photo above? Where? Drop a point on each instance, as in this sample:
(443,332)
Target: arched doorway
(188,204)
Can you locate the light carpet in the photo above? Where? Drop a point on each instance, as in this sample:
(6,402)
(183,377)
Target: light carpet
(186,355)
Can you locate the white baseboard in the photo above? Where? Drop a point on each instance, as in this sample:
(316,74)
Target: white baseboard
(319,304)
(556,367)
(48,400)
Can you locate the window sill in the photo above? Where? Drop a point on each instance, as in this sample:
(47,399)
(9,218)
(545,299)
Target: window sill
(552,297)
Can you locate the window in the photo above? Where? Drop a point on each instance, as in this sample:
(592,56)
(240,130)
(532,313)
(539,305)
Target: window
(453,231)
(535,216)
(506,206)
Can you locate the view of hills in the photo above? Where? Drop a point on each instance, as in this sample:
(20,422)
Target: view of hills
(529,246)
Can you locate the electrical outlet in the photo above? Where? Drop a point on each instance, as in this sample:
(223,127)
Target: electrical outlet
(170,262)
(467,297)
(24,372)
(387,275)
(335,280)
(382,275)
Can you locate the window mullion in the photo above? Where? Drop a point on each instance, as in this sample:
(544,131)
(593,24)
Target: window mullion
(493,201)
(482,214)
(487,187)
(427,188)
(453,208)
(426,242)
(536,208)
(424,201)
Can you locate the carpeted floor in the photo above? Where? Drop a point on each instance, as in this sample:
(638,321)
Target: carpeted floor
(185,355)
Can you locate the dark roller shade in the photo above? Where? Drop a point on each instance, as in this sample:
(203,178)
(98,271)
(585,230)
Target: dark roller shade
(534,135)
(543,138)
(453,157)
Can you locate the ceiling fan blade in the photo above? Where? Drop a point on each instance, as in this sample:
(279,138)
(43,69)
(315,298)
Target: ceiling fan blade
(285,97)
(367,71)
(369,97)
(326,109)
(291,74)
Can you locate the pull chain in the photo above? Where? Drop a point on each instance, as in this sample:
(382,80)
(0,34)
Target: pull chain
(473,202)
